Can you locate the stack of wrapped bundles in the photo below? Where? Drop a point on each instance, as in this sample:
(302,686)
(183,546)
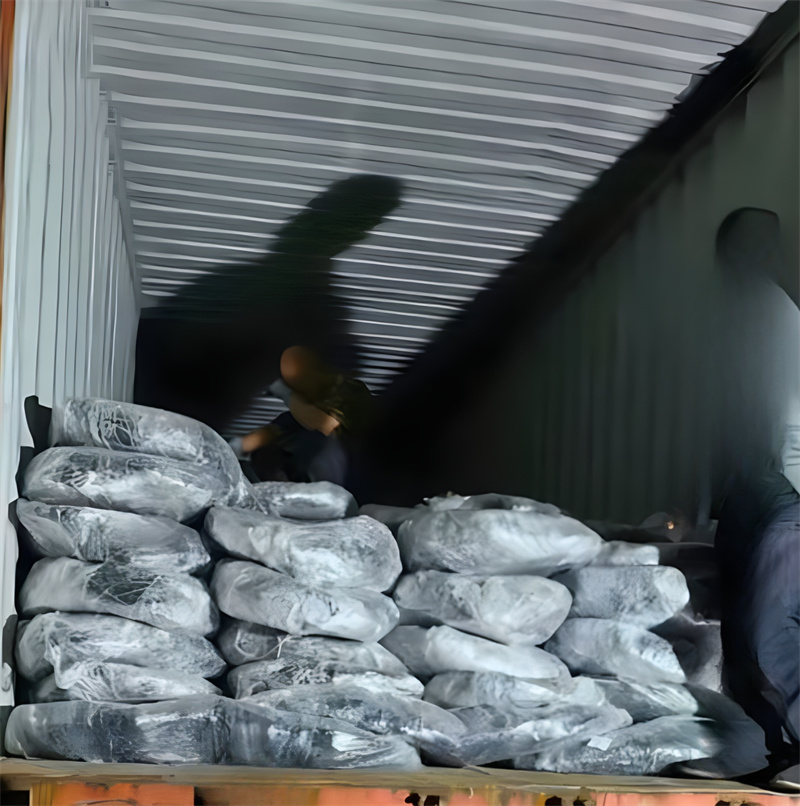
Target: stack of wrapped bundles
(302,594)
(113,645)
(540,637)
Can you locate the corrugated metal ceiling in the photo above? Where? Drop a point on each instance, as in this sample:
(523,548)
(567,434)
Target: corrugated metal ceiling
(231,116)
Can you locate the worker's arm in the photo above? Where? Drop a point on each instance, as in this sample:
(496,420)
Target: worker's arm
(254,440)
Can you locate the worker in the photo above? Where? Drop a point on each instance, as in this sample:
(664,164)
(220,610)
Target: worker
(757,542)
(310,441)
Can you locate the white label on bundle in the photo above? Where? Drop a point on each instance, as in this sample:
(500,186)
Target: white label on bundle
(600,742)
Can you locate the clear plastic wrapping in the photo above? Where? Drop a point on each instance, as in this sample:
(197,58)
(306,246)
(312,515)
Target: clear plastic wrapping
(353,552)
(379,712)
(646,701)
(620,552)
(427,652)
(636,594)
(244,642)
(198,730)
(511,610)
(515,696)
(643,749)
(178,603)
(611,648)
(96,535)
(315,660)
(53,641)
(129,482)
(499,738)
(97,681)
(250,592)
(313,501)
(128,427)
(496,541)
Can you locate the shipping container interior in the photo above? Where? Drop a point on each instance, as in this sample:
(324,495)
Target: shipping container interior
(546,313)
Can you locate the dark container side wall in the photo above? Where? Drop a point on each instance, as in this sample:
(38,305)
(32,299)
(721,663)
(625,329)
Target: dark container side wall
(623,403)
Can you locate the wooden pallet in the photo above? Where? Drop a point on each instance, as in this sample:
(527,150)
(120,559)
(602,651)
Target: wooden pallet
(72,783)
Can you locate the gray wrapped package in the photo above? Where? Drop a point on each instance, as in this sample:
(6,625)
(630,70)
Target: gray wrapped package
(428,652)
(643,749)
(698,645)
(261,736)
(515,696)
(646,701)
(352,553)
(494,737)
(618,552)
(94,422)
(198,730)
(244,642)
(514,503)
(511,610)
(97,535)
(314,661)
(314,501)
(178,603)
(645,595)
(496,541)
(188,731)
(97,681)
(379,712)
(611,648)
(53,641)
(130,482)
(250,592)
(391,517)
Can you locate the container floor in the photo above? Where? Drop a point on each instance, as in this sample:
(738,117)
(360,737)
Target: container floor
(67,783)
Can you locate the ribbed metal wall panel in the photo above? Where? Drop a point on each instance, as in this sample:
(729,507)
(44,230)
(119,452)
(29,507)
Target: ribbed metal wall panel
(616,406)
(232,115)
(69,300)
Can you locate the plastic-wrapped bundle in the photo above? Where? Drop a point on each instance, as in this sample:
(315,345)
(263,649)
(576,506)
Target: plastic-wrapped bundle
(250,592)
(97,535)
(512,610)
(262,736)
(130,482)
(118,682)
(645,594)
(515,696)
(427,652)
(649,701)
(643,749)
(611,648)
(314,501)
(179,603)
(314,661)
(619,552)
(53,641)
(698,645)
(177,731)
(496,541)
(391,517)
(98,423)
(495,737)
(353,553)
(516,503)
(198,730)
(378,712)
(244,642)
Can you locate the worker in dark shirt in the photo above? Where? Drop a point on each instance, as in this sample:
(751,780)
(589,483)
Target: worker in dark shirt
(328,410)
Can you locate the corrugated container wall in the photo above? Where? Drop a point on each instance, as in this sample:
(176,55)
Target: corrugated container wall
(69,299)
(613,407)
